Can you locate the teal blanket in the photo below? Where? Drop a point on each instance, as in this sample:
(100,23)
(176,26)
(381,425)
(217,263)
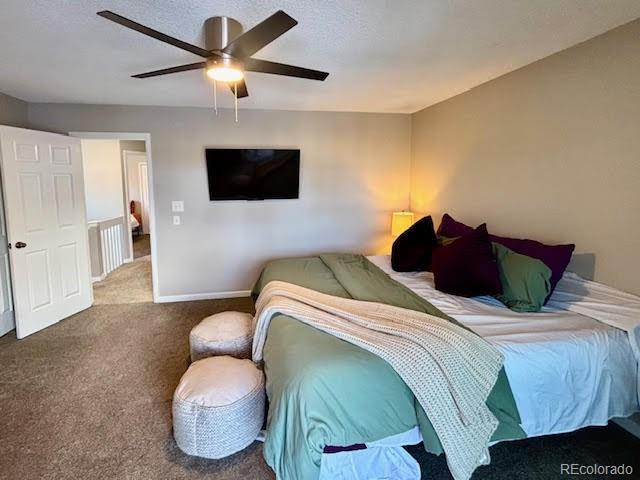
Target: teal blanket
(324,391)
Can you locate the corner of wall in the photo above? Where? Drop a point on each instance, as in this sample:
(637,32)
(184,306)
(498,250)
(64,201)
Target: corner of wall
(13,111)
(412,163)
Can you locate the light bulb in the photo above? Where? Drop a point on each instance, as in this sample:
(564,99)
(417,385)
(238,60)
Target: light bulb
(225,74)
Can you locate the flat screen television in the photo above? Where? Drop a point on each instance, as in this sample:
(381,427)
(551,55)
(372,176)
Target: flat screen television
(252,174)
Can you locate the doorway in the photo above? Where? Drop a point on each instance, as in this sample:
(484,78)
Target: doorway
(136,182)
(118,176)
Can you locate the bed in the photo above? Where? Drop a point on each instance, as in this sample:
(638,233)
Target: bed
(566,370)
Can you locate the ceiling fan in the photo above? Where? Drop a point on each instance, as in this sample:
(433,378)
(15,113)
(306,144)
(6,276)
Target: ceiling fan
(228,51)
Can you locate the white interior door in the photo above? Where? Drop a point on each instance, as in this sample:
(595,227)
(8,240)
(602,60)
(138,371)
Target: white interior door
(7,322)
(144,194)
(47,227)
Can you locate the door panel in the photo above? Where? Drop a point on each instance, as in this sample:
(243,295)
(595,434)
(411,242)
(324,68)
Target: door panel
(60,155)
(7,322)
(65,205)
(44,201)
(27,152)
(39,279)
(30,185)
(68,255)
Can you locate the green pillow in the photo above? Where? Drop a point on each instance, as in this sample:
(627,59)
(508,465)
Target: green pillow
(525,280)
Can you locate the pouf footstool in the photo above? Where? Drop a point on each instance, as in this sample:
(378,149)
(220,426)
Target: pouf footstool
(226,333)
(218,407)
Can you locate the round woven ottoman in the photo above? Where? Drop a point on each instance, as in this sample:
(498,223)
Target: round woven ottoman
(226,333)
(218,407)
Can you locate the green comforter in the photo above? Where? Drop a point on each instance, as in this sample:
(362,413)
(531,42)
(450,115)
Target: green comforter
(324,391)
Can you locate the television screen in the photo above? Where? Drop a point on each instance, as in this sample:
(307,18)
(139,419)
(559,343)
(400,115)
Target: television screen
(252,174)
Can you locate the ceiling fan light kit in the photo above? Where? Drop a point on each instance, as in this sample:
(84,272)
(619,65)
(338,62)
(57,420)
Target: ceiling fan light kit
(228,53)
(223,72)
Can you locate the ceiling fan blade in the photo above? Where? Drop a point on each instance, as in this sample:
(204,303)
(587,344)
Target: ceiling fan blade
(264,66)
(242,88)
(125,22)
(262,34)
(165,71)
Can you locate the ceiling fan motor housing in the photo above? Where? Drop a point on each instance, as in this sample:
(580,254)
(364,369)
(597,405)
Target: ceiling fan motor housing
(220,31)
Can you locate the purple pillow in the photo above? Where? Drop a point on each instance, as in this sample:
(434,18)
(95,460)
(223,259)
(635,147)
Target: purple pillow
(556,257)
(467,267)
(451,228)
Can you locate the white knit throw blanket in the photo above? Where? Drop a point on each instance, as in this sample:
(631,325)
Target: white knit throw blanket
(449,369)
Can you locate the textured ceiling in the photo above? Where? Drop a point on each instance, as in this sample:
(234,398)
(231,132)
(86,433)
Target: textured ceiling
(383,55)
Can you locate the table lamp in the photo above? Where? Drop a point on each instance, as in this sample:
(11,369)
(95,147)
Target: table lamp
(400,221)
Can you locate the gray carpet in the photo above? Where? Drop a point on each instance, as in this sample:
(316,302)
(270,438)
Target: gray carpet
(141,246)
(90,398)
(130,283)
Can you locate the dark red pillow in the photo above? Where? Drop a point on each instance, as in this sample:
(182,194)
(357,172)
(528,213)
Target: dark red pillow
(451,228)
(411,252)
(556,257)
(467,267)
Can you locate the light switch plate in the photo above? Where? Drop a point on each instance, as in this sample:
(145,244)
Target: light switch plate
(176,219)
(177,206)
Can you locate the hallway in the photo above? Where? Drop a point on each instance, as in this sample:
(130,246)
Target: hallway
(131,283)
(141,246)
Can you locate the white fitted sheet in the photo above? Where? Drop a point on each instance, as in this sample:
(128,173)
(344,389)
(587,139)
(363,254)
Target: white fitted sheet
(566,370)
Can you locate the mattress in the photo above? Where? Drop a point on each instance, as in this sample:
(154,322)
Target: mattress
(566,370)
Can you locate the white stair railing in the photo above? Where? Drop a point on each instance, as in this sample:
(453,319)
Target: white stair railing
(106,245)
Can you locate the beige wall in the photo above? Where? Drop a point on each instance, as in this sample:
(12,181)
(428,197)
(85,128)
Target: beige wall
(550,151)
(354,172)
(103,187)
(13,112)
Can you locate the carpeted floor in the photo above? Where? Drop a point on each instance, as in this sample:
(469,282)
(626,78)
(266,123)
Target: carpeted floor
(90,397)
(131,283)
(141,245)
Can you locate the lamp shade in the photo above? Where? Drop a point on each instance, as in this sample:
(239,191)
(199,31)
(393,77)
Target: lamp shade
(400,221)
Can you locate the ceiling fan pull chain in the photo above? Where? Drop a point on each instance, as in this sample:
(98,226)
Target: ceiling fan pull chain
(235,94)
(215,98)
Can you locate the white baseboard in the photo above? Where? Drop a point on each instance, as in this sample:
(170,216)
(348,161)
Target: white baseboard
(630,424)
(202,296)
(98,278)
